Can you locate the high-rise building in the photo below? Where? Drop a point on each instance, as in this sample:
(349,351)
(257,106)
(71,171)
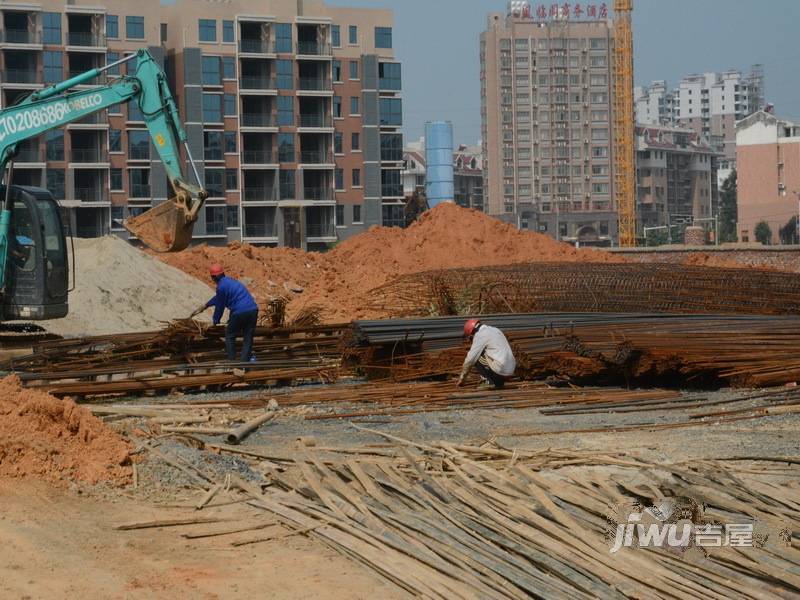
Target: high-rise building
(546,81)
(708,103)
(292,110)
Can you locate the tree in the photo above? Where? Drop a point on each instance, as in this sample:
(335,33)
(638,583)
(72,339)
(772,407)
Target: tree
(763,233)
(728,212)
(788,233)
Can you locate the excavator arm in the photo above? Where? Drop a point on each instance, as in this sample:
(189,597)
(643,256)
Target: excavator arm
(165,228)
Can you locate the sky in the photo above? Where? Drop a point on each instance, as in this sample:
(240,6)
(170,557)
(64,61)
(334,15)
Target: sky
(438,40)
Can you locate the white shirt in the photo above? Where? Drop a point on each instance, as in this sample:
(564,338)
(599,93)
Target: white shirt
(497,350)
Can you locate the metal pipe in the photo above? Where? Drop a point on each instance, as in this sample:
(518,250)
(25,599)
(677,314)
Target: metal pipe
(236,436)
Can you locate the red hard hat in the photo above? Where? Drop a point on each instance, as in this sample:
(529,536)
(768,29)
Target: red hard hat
(470,327)
(216,270)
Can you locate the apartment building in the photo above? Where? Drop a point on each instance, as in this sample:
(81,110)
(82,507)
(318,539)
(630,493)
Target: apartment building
(546,122)
(45,43)
(676,177)
(467,173)
(292,110)
(768,171)
(708,103)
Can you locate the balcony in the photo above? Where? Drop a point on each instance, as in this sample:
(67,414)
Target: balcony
(315,121)
(29,155)
(98,118)
(313,49)
(87,155)
(257,83)
(315,157)
(92,194)
(257,157)
(255,46)
(20,36)
(320,230)
(91,40)
(261,194)
(318,193)
(314,84)
(140,190)
(258,120)
(392,190)
(139,153)
(22,76)
(260,230)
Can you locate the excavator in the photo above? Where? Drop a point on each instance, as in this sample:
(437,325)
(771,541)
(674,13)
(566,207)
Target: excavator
(34,271)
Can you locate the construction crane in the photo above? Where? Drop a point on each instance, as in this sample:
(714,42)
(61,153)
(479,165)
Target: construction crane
(624,129)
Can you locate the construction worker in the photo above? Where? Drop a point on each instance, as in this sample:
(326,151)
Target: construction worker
(242,316)
(490,354)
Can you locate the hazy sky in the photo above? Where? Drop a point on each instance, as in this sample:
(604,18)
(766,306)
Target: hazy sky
(437,41)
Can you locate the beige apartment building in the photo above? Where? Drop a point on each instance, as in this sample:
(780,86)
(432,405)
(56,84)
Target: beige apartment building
(292,110)
(546,124)
(768,170)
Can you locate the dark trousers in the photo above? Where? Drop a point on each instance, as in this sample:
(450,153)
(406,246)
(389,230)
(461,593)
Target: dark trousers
(243,324)
(482,367)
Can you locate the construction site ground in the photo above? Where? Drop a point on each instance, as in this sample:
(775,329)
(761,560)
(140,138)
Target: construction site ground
(61,542)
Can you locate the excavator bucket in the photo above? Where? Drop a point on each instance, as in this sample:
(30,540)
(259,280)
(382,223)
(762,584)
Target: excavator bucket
(164,228)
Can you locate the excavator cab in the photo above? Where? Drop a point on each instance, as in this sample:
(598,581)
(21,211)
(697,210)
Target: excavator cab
(37,257)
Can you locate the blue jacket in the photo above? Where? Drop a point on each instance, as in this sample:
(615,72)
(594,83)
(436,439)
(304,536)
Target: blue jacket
(233,295)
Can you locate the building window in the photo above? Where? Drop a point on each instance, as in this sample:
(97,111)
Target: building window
(113,57)
(285,110)
(355,141)
(212,108)
(229,105)
(356,178)
(337,143)
(285,71)
(232,215)
(53,69)
(139,183)
(392,147)
(134,114)
(208,30)
(286,148)
(389,76)
(353,34)
(337,70)
(211,71)
(112,26)
(117,214)
(138,144)
(51,28)
(336,36)
(54,145)
(337,106)
(353,69)
(354,105)
(115,179)
(214,182)
(383,37)
(134,28)
(163,33)
(231,180)
(114,140)
(227,31)
(340,215)
(356,213)
(229,67)
(230,142)
(212,143)
(283,37)
(55,183)
(391,111)
(286,182)
(338,177)
(215,220)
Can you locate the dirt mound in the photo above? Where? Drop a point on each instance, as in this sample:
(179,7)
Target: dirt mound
(121,289)
(47,438)
(703,259)
(447,236)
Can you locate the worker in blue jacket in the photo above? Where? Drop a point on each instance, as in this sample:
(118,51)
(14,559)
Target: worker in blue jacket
(243,312)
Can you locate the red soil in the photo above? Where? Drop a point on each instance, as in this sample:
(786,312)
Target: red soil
(337,281)
(56,440)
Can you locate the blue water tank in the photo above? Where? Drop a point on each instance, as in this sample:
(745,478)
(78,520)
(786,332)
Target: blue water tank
(439,159)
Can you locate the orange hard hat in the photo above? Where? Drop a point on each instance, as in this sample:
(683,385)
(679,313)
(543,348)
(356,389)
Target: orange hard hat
(216,270)
(470,327)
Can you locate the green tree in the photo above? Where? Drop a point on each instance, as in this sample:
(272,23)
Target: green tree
(763,233)
(728,212)
(788,233)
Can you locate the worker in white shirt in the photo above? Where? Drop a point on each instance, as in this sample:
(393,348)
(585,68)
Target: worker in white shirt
(490,354)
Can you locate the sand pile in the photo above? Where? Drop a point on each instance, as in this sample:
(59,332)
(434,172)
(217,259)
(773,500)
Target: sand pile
(122,289)
(446,237)
(56,440)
